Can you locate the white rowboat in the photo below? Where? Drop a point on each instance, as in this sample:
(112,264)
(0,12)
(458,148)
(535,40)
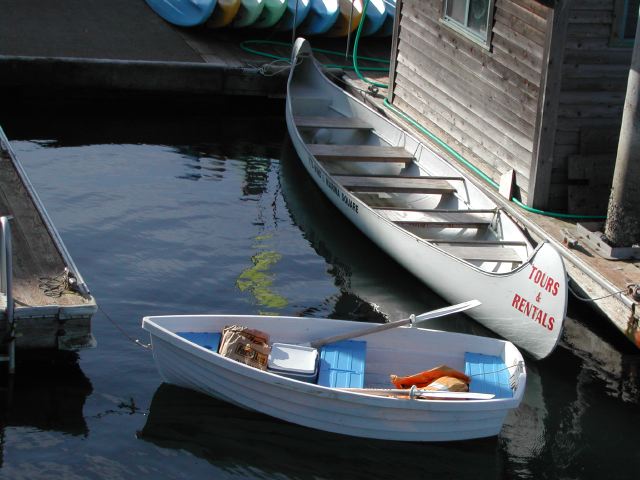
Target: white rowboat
(496,368)
(424,212)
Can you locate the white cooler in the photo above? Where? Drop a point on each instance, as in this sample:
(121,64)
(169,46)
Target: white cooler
(294,361)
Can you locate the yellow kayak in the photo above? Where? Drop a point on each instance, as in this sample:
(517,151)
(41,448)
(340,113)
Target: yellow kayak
(349,9)
(224,13)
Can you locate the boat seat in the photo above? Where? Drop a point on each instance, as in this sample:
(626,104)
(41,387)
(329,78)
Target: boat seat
(208,340)
(342,364)
(360,153)
(303,121)
(480,251)
(488,374)
(395,184)
(435,218)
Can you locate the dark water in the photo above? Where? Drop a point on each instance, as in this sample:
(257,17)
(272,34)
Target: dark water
(187,214)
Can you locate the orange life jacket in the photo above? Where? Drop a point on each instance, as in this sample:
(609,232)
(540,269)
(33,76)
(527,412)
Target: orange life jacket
(422,379)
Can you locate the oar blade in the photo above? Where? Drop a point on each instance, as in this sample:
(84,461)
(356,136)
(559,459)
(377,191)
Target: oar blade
(441,312)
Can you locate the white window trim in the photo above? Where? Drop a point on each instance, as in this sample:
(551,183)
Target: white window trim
(484,42)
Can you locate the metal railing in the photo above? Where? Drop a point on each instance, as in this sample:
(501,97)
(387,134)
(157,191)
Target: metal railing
(6,287)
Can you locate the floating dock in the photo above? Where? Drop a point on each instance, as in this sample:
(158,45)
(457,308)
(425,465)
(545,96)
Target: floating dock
(80,47)
(50,303)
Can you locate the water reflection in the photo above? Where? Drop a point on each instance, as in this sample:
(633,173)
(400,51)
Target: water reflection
(251,445)
(46,395)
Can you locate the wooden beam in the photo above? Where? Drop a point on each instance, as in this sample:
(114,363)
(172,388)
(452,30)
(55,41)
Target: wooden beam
(360,153)
(548,102)
(434,218)
(330,122)
(395,184)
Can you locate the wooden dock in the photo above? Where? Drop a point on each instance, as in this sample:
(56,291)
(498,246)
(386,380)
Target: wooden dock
(52,304)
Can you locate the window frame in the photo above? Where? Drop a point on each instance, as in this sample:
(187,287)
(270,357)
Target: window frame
(483,41)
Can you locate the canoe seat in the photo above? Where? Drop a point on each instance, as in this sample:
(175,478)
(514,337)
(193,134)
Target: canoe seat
(208,340)
(303,121)
(442,219)
(480,252)
(488,374)
(360,153)
(395,184)
(342,364)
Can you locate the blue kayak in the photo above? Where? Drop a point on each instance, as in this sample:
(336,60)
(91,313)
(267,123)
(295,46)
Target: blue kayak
(321,17)
(290,14)
(185,13)
(387,26)
(374,17)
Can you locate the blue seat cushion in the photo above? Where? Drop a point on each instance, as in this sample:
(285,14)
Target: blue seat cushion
(209,340)
(488,374)
(342,364)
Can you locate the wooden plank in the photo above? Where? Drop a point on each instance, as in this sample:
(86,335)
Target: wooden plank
(360,153)
(395,184)
(465,130)
(303,121)
(483,254)
(482,100)
(445,219)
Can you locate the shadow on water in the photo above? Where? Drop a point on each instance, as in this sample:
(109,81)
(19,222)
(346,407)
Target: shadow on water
(48,395)
(239,440)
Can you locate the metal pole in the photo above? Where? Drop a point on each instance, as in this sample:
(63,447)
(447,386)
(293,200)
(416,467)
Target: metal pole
(295,20)
(346,53)
(622,228)
(7,283)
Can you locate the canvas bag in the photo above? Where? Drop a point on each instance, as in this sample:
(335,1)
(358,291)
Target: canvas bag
(245,345)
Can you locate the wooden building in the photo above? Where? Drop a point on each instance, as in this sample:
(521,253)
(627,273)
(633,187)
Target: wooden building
(530,85)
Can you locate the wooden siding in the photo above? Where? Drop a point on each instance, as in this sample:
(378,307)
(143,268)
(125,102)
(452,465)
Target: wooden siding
(483,102)
(594,79)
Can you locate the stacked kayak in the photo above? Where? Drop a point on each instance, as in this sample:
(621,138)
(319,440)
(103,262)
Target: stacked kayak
(332,18)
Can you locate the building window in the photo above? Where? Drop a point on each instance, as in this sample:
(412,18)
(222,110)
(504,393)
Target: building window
(626,20)
(470,17)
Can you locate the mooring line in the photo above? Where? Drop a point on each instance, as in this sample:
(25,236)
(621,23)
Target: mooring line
(123,332)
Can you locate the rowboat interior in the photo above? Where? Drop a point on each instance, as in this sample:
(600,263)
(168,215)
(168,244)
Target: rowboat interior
(402,180)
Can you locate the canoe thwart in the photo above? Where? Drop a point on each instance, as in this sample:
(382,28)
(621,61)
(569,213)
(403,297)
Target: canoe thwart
(486,253)
(446,219)
(360,153)
(395,184)
(304,121)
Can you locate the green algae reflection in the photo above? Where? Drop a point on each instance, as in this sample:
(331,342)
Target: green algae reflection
(258,281)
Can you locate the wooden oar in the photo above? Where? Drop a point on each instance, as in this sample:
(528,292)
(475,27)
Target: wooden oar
(413,393)
(441,312)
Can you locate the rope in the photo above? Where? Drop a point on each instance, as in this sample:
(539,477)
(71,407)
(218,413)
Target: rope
(56,286)
(588,299)
(123,332)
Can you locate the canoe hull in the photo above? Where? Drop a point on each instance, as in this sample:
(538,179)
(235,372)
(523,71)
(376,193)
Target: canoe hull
(526,305)
(187,365)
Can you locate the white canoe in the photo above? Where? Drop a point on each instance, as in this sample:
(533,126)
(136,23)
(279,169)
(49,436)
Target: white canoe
(424,212)
(402,351)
